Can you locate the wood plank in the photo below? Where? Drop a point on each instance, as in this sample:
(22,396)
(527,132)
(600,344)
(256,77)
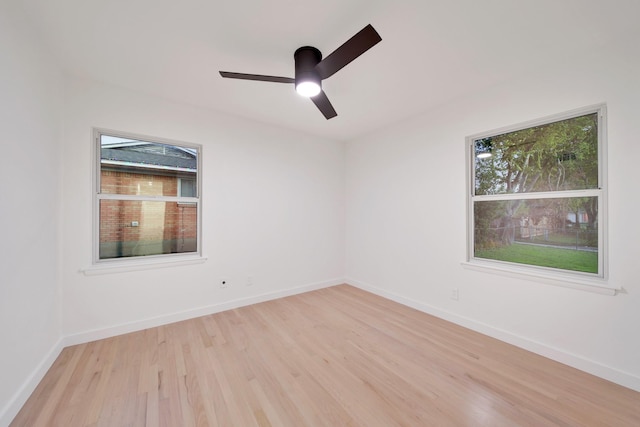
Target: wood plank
(333,357)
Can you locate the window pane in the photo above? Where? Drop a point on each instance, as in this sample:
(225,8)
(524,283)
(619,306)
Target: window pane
(144,168)
(558,156)
(139,228)
(187,188)
(557,233)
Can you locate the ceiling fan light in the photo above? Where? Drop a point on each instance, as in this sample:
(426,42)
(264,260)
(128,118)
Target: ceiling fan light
(308,89)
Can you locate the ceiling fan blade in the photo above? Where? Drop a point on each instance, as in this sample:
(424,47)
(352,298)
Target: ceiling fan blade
(324,105)
(364,40)
(258,77)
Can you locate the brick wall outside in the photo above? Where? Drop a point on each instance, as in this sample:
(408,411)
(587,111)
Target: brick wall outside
(118,182)
(130,228)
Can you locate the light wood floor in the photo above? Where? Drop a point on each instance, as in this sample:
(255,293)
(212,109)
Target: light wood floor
(333,357)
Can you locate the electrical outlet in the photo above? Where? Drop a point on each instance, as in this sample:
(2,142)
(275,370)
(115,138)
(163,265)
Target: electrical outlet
(455,294)
(224,283)
(249,280)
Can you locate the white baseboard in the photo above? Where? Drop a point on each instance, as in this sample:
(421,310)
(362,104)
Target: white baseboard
(614,375)
(11,409)
(97,334)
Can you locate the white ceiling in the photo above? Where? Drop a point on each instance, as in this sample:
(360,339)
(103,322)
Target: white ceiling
(431,51)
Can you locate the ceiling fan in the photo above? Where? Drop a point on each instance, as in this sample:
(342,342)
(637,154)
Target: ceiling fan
(311,69)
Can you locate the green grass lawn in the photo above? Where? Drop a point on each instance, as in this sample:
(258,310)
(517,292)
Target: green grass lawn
(566,239)
(566,259)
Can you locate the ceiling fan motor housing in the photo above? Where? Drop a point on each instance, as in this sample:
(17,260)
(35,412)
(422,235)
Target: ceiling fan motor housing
(306,59)
(311,69)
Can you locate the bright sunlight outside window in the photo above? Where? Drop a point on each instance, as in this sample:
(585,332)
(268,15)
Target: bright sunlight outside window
(537,195)
(147,198)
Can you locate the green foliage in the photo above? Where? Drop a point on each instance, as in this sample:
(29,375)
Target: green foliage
(558,156)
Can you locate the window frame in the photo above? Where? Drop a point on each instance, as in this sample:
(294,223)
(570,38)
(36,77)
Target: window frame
(131,263)
(596,282)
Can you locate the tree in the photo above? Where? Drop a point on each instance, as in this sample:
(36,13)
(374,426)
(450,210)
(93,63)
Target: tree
(558,156)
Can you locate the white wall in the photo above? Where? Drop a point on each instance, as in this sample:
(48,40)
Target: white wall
(406,238)
(273,208)
(30,100)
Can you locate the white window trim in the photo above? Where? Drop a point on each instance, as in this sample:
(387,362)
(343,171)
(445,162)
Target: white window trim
(116,265)
(147,263)
(598,283)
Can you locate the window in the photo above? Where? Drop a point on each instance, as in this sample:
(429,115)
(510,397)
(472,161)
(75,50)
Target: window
(187,187)
(147,200)
(536,198)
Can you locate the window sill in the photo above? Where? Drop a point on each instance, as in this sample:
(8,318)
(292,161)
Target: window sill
(124,266)
(588,284)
